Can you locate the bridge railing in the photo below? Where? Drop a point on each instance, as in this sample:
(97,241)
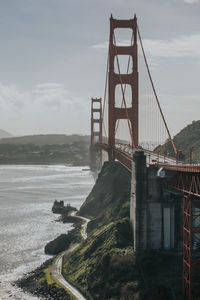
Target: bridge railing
(125,149)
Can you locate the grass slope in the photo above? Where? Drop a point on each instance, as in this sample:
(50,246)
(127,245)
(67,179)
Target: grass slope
(104,263)
(104,266)
(188,137)
(109,198)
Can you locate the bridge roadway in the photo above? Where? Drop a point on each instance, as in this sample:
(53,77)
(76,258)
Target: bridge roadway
(124,154)
(186,177)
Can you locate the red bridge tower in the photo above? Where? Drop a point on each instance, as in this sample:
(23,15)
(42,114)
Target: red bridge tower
(96,133)
(129,113)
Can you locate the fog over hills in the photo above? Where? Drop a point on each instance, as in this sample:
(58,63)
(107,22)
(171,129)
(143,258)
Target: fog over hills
(46,139)
(5,134)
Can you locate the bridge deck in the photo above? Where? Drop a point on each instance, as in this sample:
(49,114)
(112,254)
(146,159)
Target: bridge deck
(124,154)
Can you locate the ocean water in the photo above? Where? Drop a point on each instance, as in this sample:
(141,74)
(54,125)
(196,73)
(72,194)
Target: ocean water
(26,221)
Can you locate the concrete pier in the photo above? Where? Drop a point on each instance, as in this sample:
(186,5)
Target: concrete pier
(154,209)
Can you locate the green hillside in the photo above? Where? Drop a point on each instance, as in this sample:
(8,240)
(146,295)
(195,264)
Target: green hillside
(104,266)
(45,149)
(187,141)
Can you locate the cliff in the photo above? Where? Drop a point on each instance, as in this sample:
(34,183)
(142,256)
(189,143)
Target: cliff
(104,266)
(104,263)
(109,198)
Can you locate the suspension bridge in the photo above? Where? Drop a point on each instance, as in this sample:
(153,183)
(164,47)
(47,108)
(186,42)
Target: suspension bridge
(129,125)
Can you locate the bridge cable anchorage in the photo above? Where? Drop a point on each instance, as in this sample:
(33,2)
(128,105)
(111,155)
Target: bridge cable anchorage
(105,92)
(123,95)
(127,71)
(154,91)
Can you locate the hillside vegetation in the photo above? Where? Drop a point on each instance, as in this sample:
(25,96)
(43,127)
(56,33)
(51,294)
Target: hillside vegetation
(45,149)
(104,267)
(188,137)
(46,139)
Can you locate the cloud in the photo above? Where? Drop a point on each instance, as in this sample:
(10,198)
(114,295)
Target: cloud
(47,107)
(100,46)
(184,46)
(105,45)
(191,1)
(53,94)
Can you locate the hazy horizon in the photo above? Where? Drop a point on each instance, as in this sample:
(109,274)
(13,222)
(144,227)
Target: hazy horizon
(53,60)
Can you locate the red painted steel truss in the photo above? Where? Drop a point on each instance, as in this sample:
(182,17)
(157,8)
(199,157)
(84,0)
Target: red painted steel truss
(189,184)
(125,159)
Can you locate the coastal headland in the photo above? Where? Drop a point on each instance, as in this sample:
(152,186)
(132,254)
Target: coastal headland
(103,265)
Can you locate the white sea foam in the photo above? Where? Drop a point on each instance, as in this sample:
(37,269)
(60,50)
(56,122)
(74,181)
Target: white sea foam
(26,221)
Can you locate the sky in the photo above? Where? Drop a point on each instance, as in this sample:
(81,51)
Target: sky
(53,60)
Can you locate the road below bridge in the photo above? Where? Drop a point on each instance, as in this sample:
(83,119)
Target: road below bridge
(56,270)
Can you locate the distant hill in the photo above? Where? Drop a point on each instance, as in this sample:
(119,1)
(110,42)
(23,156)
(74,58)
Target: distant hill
(188,137)
(5,134)
(46,139)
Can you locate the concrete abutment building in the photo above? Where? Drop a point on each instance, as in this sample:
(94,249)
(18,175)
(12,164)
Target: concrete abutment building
(155,210)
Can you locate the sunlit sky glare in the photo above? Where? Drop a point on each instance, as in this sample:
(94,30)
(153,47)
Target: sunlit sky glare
(53,60)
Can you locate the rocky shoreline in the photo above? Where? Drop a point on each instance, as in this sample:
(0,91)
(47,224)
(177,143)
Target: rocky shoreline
(64,241)
(35,282)
(32,284)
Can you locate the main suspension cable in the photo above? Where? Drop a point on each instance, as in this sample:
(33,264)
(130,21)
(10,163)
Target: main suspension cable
(105,92)
(154,91)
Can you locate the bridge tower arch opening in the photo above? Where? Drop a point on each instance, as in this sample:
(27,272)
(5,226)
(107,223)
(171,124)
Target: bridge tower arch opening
(116,113)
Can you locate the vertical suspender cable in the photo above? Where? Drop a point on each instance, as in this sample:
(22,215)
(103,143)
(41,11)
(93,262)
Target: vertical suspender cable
(154,91)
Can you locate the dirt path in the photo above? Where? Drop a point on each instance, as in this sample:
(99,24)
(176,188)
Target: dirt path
(56,270)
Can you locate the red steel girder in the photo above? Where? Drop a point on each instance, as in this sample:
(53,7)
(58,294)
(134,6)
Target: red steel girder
(191,245)
(187,182)
(181,168)
(187,246)
(124,158)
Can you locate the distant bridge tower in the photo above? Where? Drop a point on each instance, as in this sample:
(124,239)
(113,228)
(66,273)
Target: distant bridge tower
(96,133)
(116,113)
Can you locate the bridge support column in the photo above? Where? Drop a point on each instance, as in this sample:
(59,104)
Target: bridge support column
(152,208)
(138,207)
